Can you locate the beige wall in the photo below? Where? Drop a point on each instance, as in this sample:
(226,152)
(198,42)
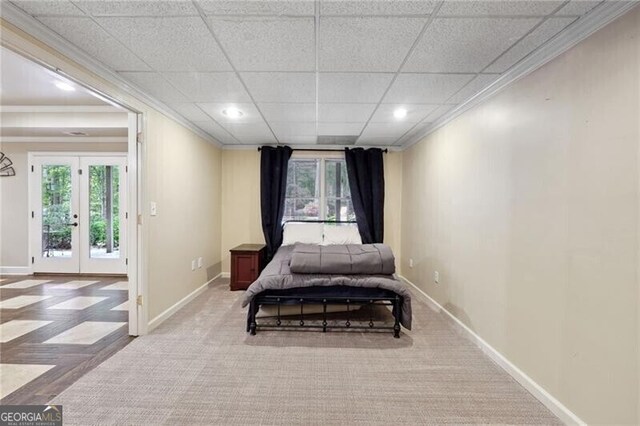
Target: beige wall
(528,206)
(181,172)
(14,196)
(241,200)
(184,179)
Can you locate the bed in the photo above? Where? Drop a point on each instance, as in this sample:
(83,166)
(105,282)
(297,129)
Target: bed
(316,280)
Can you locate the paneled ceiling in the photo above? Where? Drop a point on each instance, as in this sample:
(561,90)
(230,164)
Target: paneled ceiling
(302,69)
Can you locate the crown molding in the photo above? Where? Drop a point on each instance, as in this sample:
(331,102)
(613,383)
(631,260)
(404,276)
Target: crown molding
(63,139)
(307,146)
(565,40)
(27,23)
(62,108)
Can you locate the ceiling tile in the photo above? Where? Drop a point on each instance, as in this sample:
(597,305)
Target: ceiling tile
(169,43)
(299,140)
(258,7)
(339,113)
(137,7)
(465,45)
(88,36)
(388,7)
(439,113)
(577,7)
(352,87)
(292,131)
(216,131)
(416,132)
(473,87)
(281,87)
(251,133)
(498,8)
(532,41)
(288,112)
(340,129)
(155,85)
(366,44)
(415,113)
(250,113)
(51,7)
(384,130)
(210,87)
(268,44)
(425,88)
(190,111)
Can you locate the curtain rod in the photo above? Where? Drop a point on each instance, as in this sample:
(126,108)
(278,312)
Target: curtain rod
(320,149)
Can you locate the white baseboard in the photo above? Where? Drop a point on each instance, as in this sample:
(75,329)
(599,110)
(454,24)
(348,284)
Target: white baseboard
(555,406)
(154,323)
(225,274)
(15,270)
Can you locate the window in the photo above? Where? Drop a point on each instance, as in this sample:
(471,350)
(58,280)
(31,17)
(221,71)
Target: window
(318,189)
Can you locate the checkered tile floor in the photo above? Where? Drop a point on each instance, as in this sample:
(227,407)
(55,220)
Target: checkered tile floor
(55,329)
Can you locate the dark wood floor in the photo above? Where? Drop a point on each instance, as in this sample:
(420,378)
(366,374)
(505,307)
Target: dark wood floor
(71,361)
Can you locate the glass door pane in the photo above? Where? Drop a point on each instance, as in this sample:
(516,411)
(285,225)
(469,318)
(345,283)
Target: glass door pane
(104,211)
(54,224)
(57,214)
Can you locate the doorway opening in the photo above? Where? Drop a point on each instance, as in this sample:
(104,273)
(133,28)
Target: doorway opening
(72,206)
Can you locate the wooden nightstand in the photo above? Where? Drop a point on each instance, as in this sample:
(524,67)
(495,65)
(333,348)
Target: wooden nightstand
(247,261)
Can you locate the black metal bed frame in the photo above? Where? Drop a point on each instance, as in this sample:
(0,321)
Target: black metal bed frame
(394,301)
(279,301)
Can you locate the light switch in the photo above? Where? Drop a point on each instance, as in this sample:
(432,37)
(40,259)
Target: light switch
(199,262)
(193,265)
(153,209)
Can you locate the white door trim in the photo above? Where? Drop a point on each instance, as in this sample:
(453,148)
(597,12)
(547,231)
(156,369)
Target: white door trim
(136,269)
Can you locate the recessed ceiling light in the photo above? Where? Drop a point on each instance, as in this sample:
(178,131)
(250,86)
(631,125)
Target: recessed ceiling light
(400,113)
(65,86)
(74,133)
(232,112)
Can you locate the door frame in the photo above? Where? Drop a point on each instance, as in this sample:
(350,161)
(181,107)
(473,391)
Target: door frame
(32,157)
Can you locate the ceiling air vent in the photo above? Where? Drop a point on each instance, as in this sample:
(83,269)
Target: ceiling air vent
(337,140)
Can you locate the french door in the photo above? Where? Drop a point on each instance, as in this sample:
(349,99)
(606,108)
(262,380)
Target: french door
(78,214)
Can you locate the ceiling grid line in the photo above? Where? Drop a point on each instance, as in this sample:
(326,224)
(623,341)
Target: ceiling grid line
(117,39)
(224,52)
(482,71)
(316,32)
(404,61)
(271,41)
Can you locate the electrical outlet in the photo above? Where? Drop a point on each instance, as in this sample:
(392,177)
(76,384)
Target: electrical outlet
(410,263)
(193,265)
(436,277)
(199,262)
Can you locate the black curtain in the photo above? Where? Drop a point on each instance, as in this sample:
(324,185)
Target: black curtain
(273,189)
(366,180)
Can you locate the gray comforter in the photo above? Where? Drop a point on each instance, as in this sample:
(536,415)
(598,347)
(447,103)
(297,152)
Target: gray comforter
(278,276)
(342,259)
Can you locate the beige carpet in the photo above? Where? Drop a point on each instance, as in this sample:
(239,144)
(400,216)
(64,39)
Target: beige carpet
(200,367)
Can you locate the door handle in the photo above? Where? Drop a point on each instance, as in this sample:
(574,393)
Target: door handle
(72,224)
